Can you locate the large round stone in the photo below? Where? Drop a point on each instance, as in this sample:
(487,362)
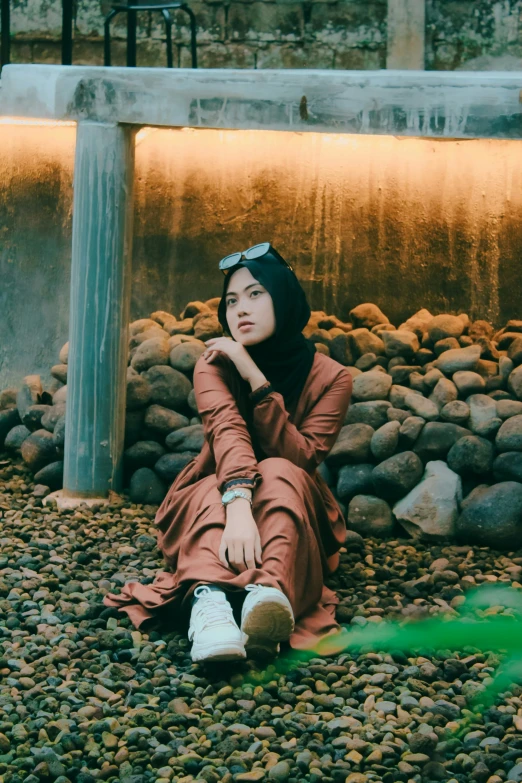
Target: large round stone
(437,438)
(508,408)
(169,387)
(162,317)
(363,341)
(384,441)
(371,385)
(444,392)
(418,322)
(185,326)
(446,345)
(456,412)
(421,406)
(30,393)
(38,450)
(410,429)
(468,382)
(134,426)
(373,413)
(430,509)
(493,517)
(515,382)
(142,325)
(398,395)
(192,309)
(143,454)
(151,353)
(163,420)
(52,415)
(354,480)
(442,326)
(509,436)
(471,456)
(59,371)
(168,466)
(396,476)
(8,398)
(482,411)
(64,353)
(506,467)
(59,434)
(458,359)
(16,437)
(207,327)
(191,401)
(186,439)
(367,315)
(148,334)
(32,417)
(51,476)
(352,445)
(138,392)
(340,349)
(370,516)
(184,357)
(146,487)
(400,343)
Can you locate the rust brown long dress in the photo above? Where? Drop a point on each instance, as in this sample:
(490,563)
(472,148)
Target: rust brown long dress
(300,524)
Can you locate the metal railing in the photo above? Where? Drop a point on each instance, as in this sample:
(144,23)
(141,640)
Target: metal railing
(67,33)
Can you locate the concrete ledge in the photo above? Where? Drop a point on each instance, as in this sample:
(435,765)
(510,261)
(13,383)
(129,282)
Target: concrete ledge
(401,103)
(65,503)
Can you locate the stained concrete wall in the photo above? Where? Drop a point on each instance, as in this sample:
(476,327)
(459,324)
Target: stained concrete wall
(405,223)
(346,34)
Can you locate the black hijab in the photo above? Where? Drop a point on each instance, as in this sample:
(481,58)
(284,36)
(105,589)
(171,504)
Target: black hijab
(285,358)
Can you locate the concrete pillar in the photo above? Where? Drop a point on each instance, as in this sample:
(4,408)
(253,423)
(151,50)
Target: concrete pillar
(99,309)
(406,34)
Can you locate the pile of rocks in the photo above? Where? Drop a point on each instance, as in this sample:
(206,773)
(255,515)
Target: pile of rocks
(85,697)
(432,439)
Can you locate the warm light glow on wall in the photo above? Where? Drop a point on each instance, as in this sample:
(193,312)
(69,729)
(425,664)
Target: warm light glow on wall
(36,122)
(356,212)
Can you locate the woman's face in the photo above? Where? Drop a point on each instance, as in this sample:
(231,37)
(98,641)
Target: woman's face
(248,300)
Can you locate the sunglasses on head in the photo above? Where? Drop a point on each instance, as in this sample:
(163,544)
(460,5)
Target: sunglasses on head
(264,251)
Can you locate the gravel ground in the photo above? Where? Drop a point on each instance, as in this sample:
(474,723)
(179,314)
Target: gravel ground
(85,697)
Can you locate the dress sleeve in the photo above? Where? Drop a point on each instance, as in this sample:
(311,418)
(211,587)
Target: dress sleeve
(307,446)
(224,427)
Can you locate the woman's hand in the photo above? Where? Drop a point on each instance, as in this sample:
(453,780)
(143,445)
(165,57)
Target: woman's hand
(244,363)
(240,538)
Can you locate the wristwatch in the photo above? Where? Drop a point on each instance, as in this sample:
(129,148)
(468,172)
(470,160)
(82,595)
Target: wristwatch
(232,494)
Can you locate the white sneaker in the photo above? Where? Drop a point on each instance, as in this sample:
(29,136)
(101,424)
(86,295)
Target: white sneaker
(267,619)
(213,630)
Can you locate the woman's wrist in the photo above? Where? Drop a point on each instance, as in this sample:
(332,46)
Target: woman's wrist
(256,380)
(238,508)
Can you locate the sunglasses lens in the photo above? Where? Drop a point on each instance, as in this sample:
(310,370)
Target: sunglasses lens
(257,250)
(231,260)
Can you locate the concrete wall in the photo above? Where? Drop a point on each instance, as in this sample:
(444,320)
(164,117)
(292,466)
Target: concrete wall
(405,223)
(345,34)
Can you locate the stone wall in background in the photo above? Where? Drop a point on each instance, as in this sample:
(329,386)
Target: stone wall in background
(344,34)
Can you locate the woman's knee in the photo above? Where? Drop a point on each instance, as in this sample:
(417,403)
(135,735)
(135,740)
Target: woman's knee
(278,467)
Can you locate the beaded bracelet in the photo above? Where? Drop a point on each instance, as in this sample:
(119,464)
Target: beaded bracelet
(229,484)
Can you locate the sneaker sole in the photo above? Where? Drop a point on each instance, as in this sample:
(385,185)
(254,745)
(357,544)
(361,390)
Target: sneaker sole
(218,652)
(261,648)
(269,620)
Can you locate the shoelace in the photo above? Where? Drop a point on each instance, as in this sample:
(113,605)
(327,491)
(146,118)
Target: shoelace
(213,611)
(251,588)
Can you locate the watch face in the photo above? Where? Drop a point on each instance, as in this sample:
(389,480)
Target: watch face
(228,496)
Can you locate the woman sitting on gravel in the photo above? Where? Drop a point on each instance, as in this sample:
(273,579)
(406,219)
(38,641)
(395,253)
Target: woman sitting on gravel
(251,518)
